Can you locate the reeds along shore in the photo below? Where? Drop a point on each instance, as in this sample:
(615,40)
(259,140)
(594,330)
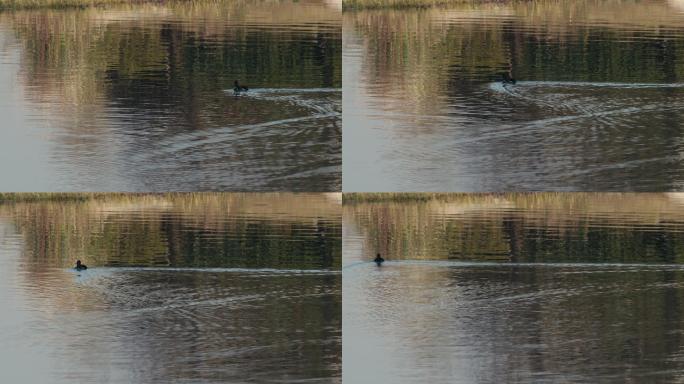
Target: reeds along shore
(579,5)
(398,4)
(284,204)
(561,202)
(56,4)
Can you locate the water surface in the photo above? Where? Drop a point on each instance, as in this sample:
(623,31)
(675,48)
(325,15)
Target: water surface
(180,288)
(515,288)
(597,103)
(140,97)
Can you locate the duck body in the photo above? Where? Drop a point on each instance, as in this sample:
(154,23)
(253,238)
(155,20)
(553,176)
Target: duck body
(507,79)
(237,88)
(80,266)
(378,260)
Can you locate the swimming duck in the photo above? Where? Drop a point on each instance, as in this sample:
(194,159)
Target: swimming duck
(378,260)
(80,266)
(507,79)
(239,88)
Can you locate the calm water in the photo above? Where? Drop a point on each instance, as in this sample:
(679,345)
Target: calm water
(208,288)
(515,288)
(140,97)
(597,105)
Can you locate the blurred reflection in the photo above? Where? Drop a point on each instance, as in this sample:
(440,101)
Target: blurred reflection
(148,310)
(138,97)
(542,287)
(598,94)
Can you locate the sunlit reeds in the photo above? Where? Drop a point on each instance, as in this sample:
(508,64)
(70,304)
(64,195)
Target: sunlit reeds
(398,4)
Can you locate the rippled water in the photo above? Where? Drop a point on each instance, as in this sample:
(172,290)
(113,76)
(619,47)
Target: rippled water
(210,288)
(596,105)
(140,97)
(515,288)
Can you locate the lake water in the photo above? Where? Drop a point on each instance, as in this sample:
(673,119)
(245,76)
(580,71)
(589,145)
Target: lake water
(212,288)
(140,97)
(597,103)
(515,288)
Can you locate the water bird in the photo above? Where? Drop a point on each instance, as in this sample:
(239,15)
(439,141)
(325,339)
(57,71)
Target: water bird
(80,266)
(239,88)
(378,260)
(507,79)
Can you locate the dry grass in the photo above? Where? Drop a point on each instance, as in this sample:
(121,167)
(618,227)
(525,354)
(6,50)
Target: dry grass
(399,4)
(32,4)
(65,196)
(648,206)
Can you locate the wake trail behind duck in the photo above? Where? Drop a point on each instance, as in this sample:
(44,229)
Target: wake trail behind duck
(319,107)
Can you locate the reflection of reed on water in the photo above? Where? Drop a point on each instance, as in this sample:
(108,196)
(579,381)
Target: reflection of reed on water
(535,227)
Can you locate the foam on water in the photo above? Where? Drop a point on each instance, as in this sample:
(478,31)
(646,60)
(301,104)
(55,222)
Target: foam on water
(310,122)
(498,86)
(597,266)
(297,96)
(108,270)
(320,109)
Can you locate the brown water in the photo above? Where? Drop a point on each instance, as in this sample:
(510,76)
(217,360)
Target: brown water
(140,97)
(596,106)
(515,288)
(190,288)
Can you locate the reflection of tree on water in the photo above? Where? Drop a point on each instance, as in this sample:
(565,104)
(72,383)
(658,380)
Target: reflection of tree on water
(514,231)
